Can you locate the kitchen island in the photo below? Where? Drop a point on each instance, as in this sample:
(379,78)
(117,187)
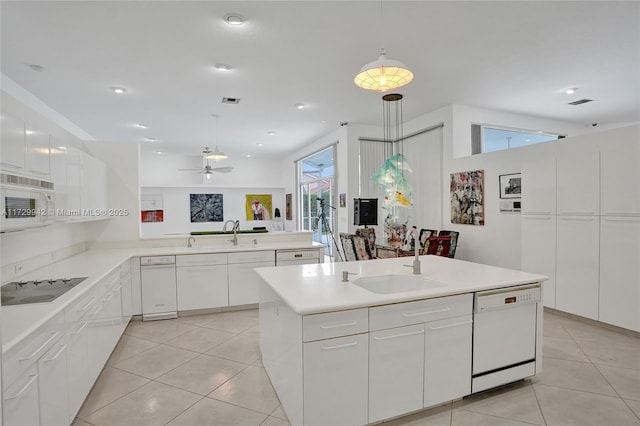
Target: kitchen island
(387,343)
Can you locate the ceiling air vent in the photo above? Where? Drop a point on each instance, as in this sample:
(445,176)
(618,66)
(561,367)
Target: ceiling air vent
(580,101)
(230,100)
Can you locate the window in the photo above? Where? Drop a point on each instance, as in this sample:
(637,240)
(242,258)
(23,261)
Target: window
(493,138)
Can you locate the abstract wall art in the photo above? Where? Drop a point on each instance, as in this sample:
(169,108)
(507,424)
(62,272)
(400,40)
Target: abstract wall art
(258,206)
(206,207)
(467,197)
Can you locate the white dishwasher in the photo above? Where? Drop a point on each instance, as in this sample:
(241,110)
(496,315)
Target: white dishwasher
(507,328)
(159,287)
(297,257)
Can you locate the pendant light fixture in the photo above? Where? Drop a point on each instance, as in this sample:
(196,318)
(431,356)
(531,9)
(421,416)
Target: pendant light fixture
(217,155)
(383,74)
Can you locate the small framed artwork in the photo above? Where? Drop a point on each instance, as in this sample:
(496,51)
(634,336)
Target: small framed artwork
(343,200)
(288,214)
(511,186)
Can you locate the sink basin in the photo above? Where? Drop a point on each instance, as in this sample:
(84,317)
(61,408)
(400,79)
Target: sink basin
(387,284)
(240,231)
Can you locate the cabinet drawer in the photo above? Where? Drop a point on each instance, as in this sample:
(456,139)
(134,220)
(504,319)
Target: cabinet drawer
(251,256)
(201,259)
(285,255)
(334,324)
(81,307)
(400,314)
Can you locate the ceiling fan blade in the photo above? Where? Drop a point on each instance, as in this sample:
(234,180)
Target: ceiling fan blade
(189,170)
(222,169)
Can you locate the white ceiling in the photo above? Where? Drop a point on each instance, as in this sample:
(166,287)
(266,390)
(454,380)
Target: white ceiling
(515,56)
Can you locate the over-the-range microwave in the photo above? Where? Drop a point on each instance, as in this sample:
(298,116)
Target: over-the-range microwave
(25,202)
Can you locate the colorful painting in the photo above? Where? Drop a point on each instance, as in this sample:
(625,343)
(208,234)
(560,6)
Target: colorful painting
(150,216)
(206,207)
(343,200)
(288,214)
(151,208)
(258,206)
(467,198)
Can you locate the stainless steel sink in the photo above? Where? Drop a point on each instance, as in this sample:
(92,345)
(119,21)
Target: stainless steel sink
(387,284)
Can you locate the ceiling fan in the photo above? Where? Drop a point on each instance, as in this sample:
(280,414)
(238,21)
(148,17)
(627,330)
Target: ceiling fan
(207,169)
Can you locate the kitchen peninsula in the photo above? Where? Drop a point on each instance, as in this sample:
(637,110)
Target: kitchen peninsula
(361,342)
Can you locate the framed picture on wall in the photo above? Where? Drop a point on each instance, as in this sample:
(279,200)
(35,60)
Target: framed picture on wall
(511,185)
(288,214)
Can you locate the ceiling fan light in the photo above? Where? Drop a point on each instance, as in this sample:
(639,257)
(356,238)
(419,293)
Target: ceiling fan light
(217,155)
(383,75)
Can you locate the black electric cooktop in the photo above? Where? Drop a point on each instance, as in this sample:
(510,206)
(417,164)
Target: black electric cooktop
(37,291)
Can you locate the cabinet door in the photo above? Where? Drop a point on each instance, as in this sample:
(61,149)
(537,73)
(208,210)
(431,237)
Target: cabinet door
(78,365)
(620,271)
(335,381)
(538,252)
(94,184)
(447,357)
(202,287)
(396,371)
(619,174)
(12,144)
(21,403)
(243,283)
(53,386)
(579,184)
(578,265)
(37,152)
(158,289)
(58,174)
(74,182)
(539,188)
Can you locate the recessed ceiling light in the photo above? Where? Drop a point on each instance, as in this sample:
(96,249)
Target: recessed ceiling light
(63,148)
(142,126)
(36,67)
(260,144)
(150,139)
(222,67)
(324,121)
(527,140)
(158,152)
(299,106)
(234,19)
(271,133)
(29,132)
(119,90)
(571,90)
(249,155)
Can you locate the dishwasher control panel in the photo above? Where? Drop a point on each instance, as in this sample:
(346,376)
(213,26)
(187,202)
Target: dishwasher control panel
(157,260)
(507,297)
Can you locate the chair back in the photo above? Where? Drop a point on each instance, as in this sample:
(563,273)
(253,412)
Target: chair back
(347,247)
(453,243)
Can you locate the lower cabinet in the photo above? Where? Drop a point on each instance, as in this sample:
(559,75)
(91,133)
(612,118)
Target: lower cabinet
(243,280)
(201,287)
(538,252)
(335,381)
(396,371)
(53,386)
(21,400)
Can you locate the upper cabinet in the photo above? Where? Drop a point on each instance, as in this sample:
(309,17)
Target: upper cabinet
(12,144)
(619,188)
(37,152)
(578,184)
(58,174)
(539,195)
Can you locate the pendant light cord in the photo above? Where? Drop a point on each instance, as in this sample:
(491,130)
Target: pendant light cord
(381,28)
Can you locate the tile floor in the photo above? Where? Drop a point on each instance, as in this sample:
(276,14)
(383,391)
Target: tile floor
(206,370)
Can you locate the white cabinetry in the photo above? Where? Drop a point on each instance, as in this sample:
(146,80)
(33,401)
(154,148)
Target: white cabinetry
(620,271)
(539,195)
(202,281)
(12,144)
(578,185)
(36,152)
(396,371)
(21,401)
(539,252)
(243,280)
(298,257)
(619,178)
(578,265)
(94,185)
(53,386)
(58,175)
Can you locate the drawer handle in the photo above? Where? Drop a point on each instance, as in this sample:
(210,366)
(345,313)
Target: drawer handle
(88,305)
(346,345)
(80,329)
(13,166)
(621,219)
(53,358)
(578,219)
(32,379)
(297,255)
(399,335)
(537,218)
(38,172)
(437,311)
(42,346)
(451,325)
(349,324)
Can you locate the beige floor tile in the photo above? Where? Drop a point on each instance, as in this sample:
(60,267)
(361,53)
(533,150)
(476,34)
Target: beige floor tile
(252,331)
(209,412)
(158,331)
(279,413)
(611,354)
(634,406)
(198,320)
(589,332)
(156,361)
(573,375)
(249,313)
(200,340)
(129,346)
(111,385)
(241,348)
(552,327)
(437,416)
(274,421)
(461,417)
(79,422)
(152,404)
(202,374)
(230,322)
(564,407)
(514,402)
(251,389)
(561,348)
(626,382)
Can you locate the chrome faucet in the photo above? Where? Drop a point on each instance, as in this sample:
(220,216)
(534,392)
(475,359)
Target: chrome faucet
(189,241)
(416,249)
(236,228)
(224,228)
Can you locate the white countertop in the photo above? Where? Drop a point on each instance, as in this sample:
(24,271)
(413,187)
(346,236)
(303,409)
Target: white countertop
(312,289)
(20,320)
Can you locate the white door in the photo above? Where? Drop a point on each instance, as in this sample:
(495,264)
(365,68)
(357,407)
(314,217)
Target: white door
(447,358)
(538,252)
(12,140)
(53,386)
(21,405)
(201,287)
(78,365)
(539,190)
(396,371)
(335,381)
(244,282)
(619,175)
(579,184)
(158,289)
(37,152)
